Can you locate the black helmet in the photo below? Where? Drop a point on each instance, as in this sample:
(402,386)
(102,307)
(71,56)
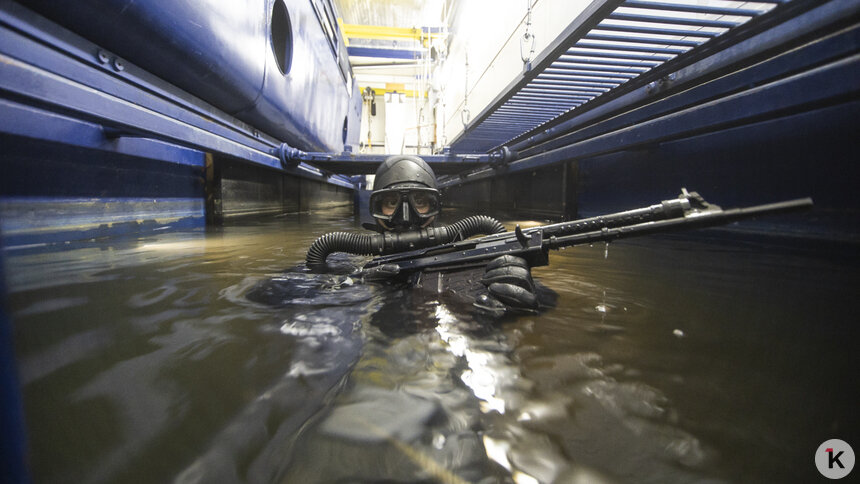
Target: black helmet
(404,195)
(404,169)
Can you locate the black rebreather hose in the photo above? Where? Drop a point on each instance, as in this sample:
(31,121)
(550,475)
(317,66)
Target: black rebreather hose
(393,242)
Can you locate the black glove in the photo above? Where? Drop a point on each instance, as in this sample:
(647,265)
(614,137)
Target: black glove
(509,280)
(381,273)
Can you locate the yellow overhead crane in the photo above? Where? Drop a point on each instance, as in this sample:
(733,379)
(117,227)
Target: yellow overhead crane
(378,32)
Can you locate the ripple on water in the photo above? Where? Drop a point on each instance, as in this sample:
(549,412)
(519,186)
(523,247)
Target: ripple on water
(305,289)
(51,305)
(312,325)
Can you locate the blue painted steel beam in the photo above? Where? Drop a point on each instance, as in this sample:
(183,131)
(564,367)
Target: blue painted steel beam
(38,87)
(356,51)
(31,122)
(358,163)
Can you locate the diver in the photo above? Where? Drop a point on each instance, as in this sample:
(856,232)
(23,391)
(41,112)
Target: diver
(406,202)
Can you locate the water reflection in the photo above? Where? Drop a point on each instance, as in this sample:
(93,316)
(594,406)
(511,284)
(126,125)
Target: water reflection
(216,356)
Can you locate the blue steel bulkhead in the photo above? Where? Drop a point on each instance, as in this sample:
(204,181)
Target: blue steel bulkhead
(221,52)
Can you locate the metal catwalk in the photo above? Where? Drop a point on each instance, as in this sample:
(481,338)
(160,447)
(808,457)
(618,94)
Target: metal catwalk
(610,46)
(628,74)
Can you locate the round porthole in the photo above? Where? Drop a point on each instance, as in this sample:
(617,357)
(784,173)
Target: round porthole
(282,36)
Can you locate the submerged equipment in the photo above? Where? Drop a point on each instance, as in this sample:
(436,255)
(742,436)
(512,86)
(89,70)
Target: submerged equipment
(394,242)
(405,195)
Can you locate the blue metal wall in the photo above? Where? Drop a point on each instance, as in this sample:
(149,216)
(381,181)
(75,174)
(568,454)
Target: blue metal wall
(109,109)
(224,53)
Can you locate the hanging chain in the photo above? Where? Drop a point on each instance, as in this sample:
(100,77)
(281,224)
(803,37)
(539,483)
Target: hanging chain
(465,115)
(528,38)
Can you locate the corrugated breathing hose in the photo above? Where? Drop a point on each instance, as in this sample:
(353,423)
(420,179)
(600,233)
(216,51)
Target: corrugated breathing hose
(393,242)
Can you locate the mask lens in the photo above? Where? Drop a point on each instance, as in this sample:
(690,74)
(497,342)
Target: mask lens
(388,204)
(384,204)
(424,202)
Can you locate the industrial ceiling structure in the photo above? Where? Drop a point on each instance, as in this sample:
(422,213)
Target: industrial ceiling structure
(611,44)
(616,57)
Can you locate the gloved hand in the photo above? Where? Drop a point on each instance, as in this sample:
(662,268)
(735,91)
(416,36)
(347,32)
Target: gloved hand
(509,280)
(384,272)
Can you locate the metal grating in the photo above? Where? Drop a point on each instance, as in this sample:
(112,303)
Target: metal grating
(610,44)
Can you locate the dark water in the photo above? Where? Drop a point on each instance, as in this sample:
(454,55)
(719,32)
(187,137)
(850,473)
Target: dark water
(212,357)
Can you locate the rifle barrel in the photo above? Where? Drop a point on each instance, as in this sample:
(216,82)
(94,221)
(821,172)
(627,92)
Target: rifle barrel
(694,220)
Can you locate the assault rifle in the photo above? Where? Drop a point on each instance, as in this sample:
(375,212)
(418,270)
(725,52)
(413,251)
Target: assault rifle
(688,211)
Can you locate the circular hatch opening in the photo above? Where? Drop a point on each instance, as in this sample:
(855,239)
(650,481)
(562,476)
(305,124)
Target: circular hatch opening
(282,36)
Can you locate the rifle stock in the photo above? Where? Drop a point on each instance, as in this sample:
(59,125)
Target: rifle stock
(688,211)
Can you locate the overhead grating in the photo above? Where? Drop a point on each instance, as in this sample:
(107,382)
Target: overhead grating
(609,45)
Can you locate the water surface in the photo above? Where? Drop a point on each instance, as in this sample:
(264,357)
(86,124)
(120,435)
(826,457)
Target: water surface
(215,356)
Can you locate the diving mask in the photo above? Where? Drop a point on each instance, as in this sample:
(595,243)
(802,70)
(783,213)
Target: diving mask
(399,205)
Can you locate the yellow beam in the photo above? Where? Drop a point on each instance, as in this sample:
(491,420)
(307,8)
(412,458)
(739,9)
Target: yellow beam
(342,32)
(378,32)
(381,91)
